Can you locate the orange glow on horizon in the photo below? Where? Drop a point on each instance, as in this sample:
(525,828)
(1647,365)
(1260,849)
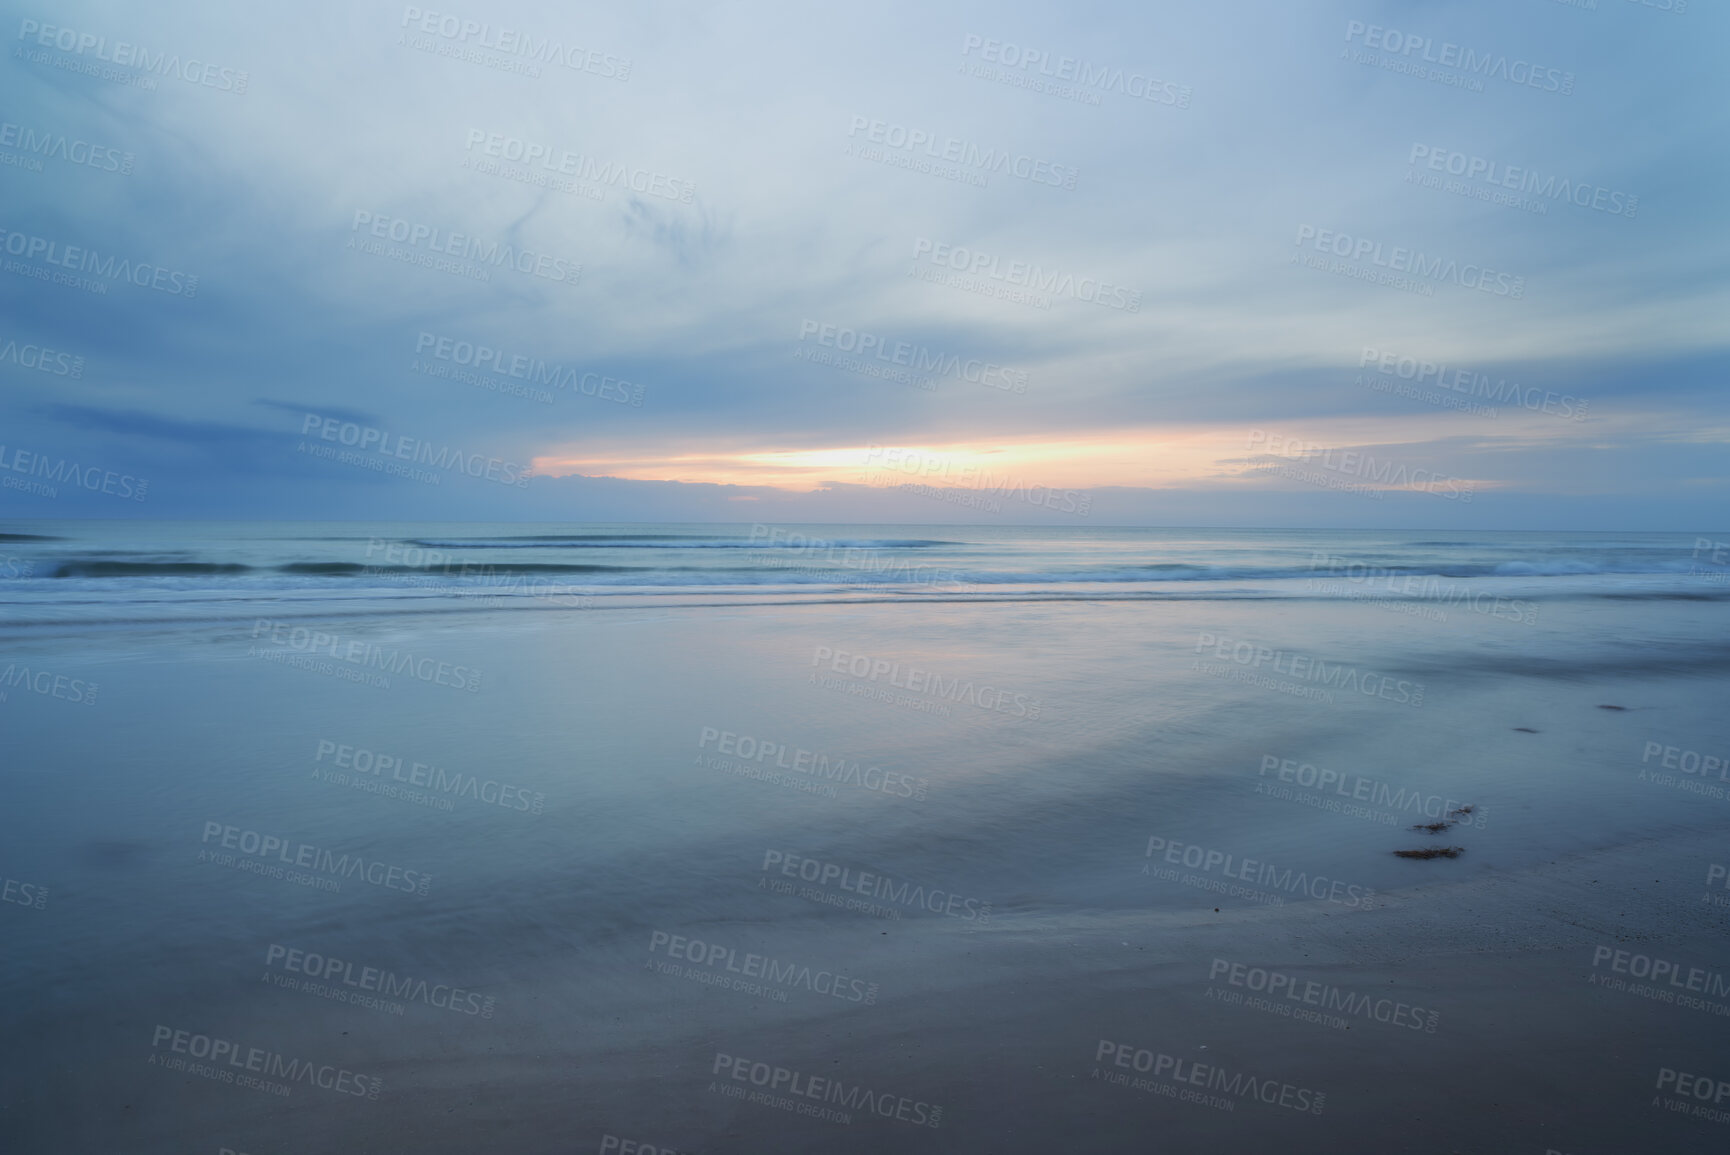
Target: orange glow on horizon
(1146,458)
(1110,459)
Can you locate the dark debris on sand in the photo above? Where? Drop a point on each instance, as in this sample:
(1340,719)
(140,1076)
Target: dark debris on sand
(1457,812)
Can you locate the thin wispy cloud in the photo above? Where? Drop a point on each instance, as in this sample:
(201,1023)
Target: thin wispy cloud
(765,231)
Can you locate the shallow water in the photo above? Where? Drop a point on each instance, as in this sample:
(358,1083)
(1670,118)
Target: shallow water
(932,798)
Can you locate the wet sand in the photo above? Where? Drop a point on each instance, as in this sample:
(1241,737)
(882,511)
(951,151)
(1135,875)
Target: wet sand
(1012,954)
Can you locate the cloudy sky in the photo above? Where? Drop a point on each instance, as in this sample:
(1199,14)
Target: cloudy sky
(1221,263)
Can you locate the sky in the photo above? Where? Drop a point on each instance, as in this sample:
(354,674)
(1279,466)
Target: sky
(1217,263)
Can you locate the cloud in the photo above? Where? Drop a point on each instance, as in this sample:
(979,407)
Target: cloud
(723,180)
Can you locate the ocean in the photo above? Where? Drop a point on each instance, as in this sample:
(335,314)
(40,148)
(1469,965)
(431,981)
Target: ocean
(190,570)
(315,830)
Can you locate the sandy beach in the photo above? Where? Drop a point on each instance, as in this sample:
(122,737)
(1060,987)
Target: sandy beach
(703,880)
